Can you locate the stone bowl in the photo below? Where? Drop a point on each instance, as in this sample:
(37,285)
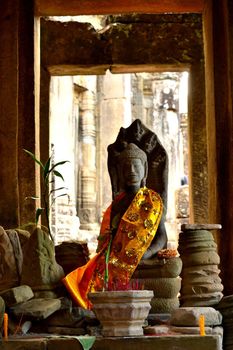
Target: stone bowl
(121,313)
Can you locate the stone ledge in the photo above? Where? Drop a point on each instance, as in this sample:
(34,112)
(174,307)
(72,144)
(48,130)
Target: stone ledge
(24,344)
(181,342)
(161,343)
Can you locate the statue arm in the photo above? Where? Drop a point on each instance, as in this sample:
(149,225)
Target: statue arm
(159,242)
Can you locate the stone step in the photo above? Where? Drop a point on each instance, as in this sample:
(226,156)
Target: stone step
(181,342)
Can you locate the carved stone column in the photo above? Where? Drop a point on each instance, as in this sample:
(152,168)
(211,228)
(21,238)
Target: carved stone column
(87,175)
(201,284)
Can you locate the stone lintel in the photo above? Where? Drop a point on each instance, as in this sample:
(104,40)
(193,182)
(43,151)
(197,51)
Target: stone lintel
(74,43)
(91,7)
(166,48)
(77,69)
(140,68)
(71,43)
(64,69)
(194,227)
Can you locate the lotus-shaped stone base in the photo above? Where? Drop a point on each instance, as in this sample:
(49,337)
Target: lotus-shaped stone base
(121,313)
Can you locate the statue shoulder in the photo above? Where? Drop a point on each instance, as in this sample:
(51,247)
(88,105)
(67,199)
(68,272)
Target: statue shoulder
(145,191)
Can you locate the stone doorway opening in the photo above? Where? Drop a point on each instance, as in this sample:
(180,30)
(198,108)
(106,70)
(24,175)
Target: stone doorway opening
(86,113)
(168,43)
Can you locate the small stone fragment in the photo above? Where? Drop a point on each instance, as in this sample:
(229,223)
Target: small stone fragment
(17,295)
(37,308)
(189,316)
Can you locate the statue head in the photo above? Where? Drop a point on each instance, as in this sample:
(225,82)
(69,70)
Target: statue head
(132,168)
(137,131)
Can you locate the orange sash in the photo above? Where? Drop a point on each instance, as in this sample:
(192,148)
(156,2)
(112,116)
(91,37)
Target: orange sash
(134,235)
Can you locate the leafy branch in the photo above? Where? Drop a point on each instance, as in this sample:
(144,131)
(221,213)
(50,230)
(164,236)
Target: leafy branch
(47,170)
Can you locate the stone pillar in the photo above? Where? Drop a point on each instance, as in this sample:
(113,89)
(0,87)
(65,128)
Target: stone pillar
(17,126)
(201,284)
(198,183)
(44,120)
(87,186)
(8,127)
(223,86)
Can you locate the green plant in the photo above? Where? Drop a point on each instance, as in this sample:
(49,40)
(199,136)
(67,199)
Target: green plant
(47,170)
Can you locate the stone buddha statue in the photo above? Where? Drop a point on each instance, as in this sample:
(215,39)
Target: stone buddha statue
(138,153)
(127,230)
(131,228)
(132,171)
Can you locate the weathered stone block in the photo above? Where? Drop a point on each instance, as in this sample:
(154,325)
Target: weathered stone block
(37,308)
(39,257)
(189,316)
(157,330)
(196,330)
(9,276)
(17,295)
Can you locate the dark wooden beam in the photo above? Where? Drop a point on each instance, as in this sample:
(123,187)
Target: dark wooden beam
(104,7)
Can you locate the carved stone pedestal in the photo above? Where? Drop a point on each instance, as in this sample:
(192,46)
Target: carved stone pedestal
(121,313)
(161,276)
(201,284)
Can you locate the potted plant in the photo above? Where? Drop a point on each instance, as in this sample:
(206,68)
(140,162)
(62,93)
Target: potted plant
(122,310)
(121,307)
(47,170)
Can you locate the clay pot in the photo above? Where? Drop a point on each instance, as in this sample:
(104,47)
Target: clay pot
(121,313)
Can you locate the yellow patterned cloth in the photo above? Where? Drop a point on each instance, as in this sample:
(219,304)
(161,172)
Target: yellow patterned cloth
(134,235)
